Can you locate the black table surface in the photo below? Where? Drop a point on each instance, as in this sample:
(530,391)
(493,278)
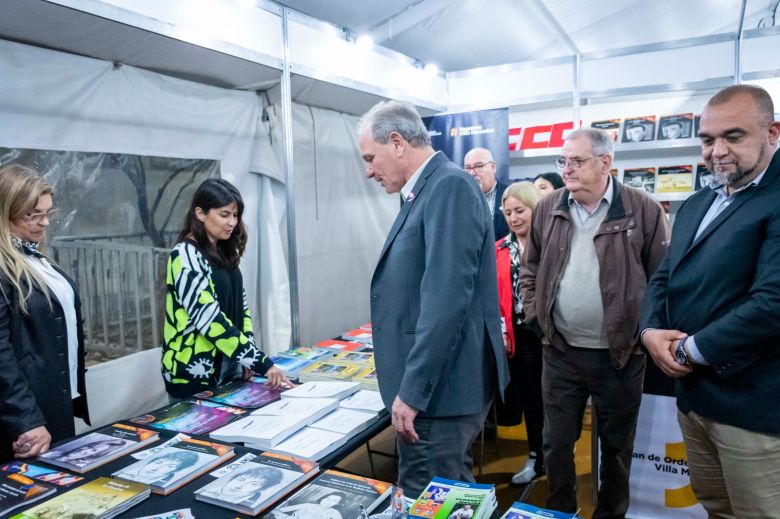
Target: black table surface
(184,497)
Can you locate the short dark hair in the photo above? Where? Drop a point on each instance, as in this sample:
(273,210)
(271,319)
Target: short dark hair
(214,193)
(760,96)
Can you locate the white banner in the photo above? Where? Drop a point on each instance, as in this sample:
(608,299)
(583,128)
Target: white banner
(660,484)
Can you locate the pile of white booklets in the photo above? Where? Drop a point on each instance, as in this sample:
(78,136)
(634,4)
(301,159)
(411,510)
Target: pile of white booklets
(309,421)
(270,425)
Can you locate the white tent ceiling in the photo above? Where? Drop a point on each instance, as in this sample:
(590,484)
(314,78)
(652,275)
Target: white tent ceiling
(464,34)
(454,34)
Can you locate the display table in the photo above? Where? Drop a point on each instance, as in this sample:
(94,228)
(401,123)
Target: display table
(185,497)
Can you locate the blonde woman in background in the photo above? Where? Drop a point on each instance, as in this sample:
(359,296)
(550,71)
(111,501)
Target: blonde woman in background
(523,396)
(41,339)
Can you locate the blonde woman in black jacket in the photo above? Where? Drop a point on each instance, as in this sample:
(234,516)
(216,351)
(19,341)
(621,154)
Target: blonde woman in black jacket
(41,339)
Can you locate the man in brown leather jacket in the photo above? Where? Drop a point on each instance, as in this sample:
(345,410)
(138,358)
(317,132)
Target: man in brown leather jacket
(592,249)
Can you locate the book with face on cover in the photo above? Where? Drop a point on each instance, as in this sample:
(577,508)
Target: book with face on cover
(99,447)
(259,483)
(333,495)
(443,498)
(639,129)
(17,490)
(176,465)
(242,393)
(102,498)
(190,417)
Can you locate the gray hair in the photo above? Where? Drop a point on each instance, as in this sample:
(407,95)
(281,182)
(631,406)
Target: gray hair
(600,141)
(387,117)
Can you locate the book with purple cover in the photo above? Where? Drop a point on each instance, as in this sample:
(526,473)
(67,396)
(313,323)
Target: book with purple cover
(241,393)
(188,417)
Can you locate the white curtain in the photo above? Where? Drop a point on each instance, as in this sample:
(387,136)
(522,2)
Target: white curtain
(342,220)
(57,101)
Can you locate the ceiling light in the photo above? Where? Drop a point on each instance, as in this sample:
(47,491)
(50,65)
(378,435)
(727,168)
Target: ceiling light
(365,41)
(431,69)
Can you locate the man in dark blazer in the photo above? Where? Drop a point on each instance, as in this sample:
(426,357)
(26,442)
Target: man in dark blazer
(479,163)
(711,317)
(434,300)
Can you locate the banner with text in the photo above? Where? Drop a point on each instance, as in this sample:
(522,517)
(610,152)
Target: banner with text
(456,134)
(660,482)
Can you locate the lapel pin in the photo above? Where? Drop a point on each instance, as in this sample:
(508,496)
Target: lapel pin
(410,197)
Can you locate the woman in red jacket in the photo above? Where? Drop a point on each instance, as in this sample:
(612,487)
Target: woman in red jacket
(523,397)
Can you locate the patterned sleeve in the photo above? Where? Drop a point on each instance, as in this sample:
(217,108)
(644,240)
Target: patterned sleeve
(195,292)
(247,325)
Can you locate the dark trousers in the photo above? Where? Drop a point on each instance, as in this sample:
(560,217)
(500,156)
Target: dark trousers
(523,396)
(568,379)
(444,450)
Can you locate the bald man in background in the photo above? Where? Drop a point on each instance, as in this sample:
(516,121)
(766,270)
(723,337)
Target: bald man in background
(479,164)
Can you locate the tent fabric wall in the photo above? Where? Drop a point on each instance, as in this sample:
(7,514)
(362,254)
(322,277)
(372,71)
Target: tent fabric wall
(341,219)
(57,101)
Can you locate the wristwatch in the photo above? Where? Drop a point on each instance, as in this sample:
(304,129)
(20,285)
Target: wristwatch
(679,354)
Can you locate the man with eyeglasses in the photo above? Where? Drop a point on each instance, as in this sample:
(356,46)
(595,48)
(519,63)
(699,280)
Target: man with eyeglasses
(479,163)
(593,246)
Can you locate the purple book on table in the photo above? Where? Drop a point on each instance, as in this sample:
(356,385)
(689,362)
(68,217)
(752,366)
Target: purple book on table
(189,417)
(242,393)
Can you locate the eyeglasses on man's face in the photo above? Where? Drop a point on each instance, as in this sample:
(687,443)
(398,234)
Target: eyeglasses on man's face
(39,217)
(574,162)
(478,166)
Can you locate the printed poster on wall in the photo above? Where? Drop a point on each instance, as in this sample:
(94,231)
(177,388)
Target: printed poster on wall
(660,483)
(456,134)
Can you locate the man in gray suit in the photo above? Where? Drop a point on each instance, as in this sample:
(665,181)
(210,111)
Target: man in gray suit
(434,300)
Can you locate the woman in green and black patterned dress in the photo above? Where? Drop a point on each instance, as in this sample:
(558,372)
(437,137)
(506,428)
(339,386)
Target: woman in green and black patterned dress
(208,326)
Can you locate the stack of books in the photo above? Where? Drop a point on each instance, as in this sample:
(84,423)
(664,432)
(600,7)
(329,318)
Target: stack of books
(358,335)
(323,389)
(347,365)
(329,371)
(366,401)
(335,345)
(520,510)
(258,484)
(292,361)
(270,425)
(443,498)
(190,417)
(169,468)
(334,494)
(99,447)
(102,498)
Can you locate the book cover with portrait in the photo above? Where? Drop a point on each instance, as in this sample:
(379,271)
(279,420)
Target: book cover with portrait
(333,494)
(672,127)
(703,176)
(611,126)
(175,465)
(259,483)
(98,448)
(640,178)
(639,129)
(674,179)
